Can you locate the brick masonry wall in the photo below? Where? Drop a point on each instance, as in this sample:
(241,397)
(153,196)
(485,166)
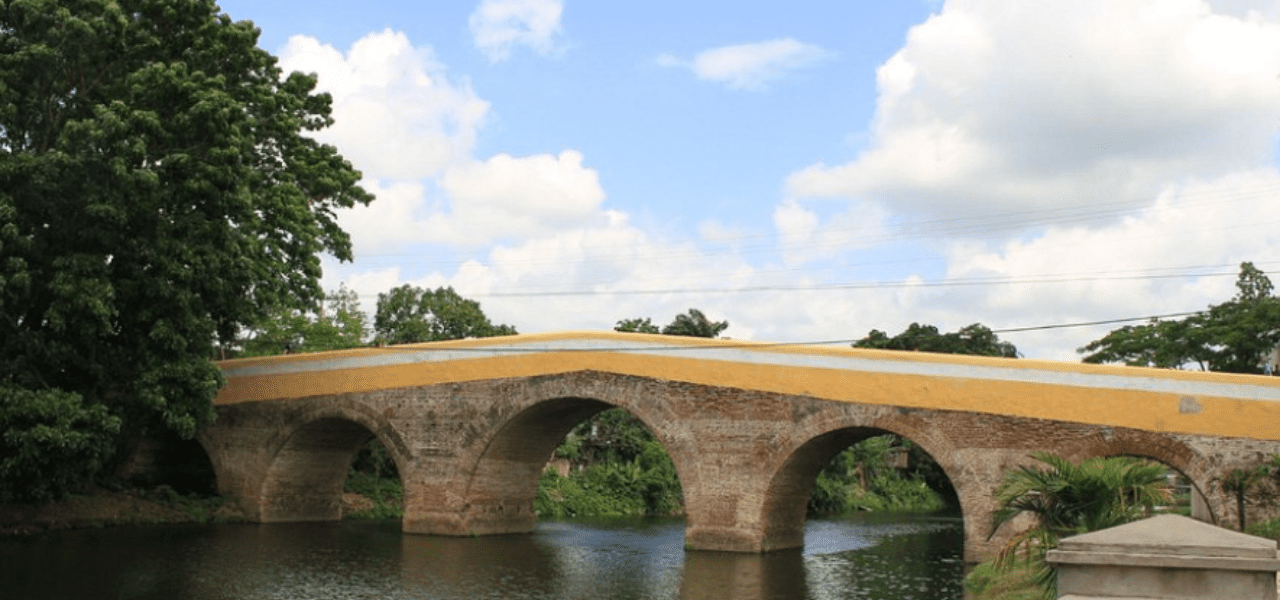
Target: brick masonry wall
(470,454)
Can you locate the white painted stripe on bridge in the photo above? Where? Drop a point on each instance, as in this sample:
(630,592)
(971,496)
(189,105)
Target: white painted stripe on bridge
(767,355)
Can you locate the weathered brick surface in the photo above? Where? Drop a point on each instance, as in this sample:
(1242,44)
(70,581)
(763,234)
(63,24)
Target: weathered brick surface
(469,454)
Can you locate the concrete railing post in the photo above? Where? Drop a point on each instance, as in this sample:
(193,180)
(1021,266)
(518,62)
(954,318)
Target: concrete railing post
(1168,557)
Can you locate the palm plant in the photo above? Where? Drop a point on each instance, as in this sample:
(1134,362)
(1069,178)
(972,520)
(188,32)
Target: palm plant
(1069,498)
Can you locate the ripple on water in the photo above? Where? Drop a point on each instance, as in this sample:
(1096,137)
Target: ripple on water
(884,558)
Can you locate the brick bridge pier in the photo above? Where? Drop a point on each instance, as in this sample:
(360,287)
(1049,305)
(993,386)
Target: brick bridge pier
(471,425)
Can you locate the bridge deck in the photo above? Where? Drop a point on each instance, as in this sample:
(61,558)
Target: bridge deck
(1150,399)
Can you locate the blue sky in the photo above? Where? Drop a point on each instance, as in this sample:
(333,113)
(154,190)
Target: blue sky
(805,170)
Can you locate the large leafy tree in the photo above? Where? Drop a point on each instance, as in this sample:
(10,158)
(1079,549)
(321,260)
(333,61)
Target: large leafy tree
(158,191)
(1236,336)
(976,339)
(410,314)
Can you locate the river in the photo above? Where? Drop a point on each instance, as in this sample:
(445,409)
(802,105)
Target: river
(868,555)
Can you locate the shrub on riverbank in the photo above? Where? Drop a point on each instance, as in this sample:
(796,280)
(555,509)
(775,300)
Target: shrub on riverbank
(647,485)
(101,507)
(1266,529)
(385,496)
(868,476)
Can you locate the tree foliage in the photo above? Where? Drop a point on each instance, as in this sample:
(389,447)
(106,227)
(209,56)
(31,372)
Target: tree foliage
(409,314)
(619,468)
(864,476)
(337,324)
(976,339)
(637,326)
(1236,336)
(157,192)
(692,324)
(695,324)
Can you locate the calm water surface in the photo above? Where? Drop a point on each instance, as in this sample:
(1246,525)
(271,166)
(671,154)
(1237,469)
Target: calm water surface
(881,557)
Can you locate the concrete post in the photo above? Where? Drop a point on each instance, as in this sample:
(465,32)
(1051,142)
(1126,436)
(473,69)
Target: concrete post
(1169,557)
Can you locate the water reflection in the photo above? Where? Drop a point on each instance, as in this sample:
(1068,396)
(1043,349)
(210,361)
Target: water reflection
(884,558)
(779,575)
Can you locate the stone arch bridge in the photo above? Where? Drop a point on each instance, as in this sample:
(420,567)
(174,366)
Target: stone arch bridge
(471,425)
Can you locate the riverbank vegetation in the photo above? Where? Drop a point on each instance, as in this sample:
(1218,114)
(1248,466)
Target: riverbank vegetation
(885,472)
(609,465)
(1063,498)
(102,507)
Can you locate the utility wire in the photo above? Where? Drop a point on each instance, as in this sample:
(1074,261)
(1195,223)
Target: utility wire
(740,344)
(975,281)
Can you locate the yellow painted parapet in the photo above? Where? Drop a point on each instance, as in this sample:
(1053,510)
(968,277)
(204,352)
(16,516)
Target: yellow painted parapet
(1150,399)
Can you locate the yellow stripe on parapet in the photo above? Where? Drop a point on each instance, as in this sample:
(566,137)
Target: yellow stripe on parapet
(1151,399)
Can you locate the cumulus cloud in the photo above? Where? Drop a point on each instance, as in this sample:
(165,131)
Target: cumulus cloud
(396,114)
(803,237)
(751,66)
(411,131)
(522,196)
(498,26)
(992,107)
(1179,254)
(1067,163)
(1116,141)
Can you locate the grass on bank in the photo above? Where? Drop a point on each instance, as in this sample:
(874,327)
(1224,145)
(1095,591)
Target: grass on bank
(1266,529)
(989,582)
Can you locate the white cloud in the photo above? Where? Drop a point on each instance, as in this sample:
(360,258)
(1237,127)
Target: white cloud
(993,106)
(475,203)
(1127,268)
(751,66)
(498,26)
(412,133)
(1156,122)
(521,196)
(396,115)
(1105,142)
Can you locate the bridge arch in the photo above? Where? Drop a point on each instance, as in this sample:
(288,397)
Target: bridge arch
(819,438)
(500,471)
(311,458)
(1159,447)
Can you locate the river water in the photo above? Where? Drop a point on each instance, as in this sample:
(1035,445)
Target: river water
(869,555)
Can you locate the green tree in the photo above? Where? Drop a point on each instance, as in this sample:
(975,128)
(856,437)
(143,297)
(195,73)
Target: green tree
(1068,498)
(695,324)
(976,339)
(637,326)
(692,324)
(157,193)
(1236,336)
(337,324)
(410,314)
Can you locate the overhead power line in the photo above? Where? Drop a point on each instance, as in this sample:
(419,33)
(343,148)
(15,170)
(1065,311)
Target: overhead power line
(959,282)
(726,343)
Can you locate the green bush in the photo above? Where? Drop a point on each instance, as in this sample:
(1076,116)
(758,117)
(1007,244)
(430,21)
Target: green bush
(861,478)
(646,485)
(52,443)
(387,495)
(1266,529)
